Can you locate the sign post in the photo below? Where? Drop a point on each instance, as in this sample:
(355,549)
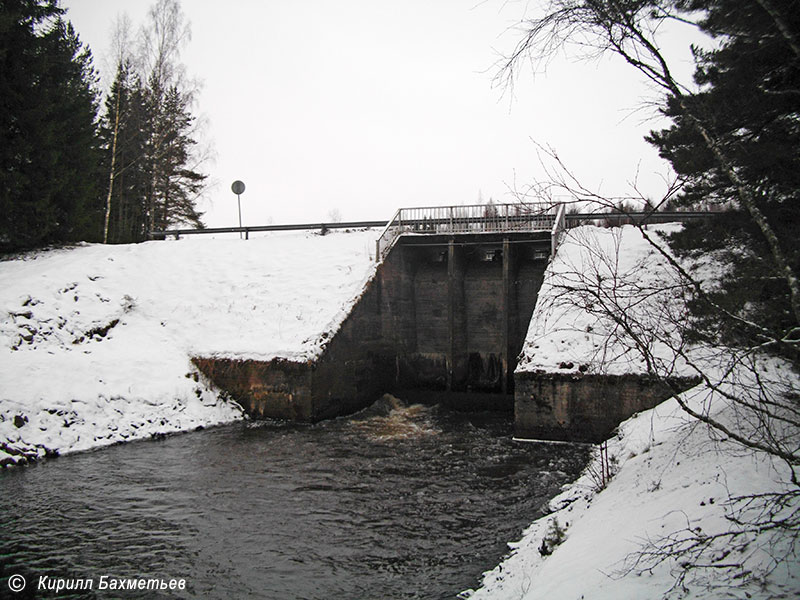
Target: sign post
(238,188)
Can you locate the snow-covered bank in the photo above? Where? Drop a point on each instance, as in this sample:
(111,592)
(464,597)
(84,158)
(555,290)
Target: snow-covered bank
(96,340)
(673,481)
(678,486)
(566,334)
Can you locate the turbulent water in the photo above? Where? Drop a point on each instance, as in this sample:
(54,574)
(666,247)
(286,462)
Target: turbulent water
(396,502)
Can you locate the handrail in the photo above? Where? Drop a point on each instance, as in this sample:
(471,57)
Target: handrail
(559,225)
(462,219)
(421,225)
(247,229)
(387,236)
(643,216)
(471,218)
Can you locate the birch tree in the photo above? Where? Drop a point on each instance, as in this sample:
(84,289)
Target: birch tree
(150,131)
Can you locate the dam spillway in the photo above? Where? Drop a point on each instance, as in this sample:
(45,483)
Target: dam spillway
(444,319)
(444,316)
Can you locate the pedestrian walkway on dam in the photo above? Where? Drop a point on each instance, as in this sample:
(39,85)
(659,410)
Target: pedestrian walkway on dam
(473,219)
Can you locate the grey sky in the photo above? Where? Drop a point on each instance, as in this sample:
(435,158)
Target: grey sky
(367,105)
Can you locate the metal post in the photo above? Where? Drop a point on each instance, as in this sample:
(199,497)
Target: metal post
(239,201)
(509,308)
(237,187)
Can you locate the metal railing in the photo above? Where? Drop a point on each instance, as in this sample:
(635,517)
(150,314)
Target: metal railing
(503,217)
(474,218)
(248,229)
(572,220)
(559,227)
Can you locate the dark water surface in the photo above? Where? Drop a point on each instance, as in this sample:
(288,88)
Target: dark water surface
(403,502)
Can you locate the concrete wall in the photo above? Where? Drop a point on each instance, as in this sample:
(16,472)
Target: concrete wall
(578,407)
(468,317)
(278,388)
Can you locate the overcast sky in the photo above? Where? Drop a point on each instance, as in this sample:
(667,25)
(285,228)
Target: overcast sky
(364,106)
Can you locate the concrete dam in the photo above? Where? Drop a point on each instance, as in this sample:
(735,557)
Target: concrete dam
(442,320)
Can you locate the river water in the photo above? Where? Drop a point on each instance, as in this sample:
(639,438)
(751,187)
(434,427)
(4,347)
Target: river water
(396,502)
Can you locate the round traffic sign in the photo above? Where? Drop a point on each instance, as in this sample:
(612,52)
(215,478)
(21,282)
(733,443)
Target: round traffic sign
(237,187)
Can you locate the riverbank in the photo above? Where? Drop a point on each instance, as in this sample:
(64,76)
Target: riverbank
(666,508)
(674,484)
(96,340)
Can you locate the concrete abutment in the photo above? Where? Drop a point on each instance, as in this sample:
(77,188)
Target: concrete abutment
(584,407)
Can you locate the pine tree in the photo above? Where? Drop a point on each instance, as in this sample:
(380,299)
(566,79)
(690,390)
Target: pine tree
(174,183)
(73,108)
(49,155)
(178,185)
(25,217)
(749,102)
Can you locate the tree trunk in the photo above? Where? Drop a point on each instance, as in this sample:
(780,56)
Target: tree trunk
(782,26)
(113,167)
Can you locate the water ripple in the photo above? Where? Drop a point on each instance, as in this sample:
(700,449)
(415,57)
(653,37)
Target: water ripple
(398,501)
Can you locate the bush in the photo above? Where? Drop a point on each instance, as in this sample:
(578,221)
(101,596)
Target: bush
(553,538)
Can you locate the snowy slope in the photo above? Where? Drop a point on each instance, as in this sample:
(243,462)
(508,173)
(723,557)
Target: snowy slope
(566,335)
(96,340)
(673,478)
(672,475)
